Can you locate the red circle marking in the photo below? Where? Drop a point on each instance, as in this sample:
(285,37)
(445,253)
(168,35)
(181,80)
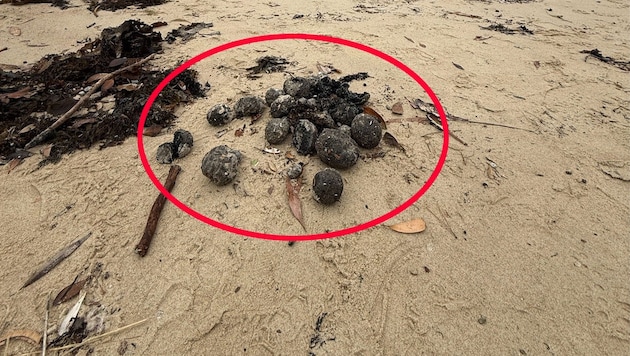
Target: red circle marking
(298,36)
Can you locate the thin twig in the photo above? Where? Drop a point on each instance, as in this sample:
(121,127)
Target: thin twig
(457,118)
(154,216)
(48,131)
(45,337)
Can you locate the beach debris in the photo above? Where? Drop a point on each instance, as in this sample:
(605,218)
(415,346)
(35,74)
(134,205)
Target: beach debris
(458,66)
(240,131)
(293,191)
(180,147)
(277,130)
(249,105)
(187,32)
(390,140)
(327,186)
(70,291)
(219,115)
(595,53)
(14,163)
(30,336)
(337,149)
(221,164)
(152,130)
(295,170)
(522,29)
(409,227)
(65,325)
(366,131)
(55,260)
(327,68)
(156,210)
(304,137)
(113,5)
(15,31)
(268,64)
(397,108)
(368,110)
(272,94)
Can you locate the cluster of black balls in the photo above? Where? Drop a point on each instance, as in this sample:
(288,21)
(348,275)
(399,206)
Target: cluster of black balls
(325,117)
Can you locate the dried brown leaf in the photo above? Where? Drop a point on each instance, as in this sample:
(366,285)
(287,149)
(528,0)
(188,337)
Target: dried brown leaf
(392,141)
(109,83)
(81,122)
(409,227)
(69,292)
(96,77)
(294,200)
(117,62)
(128,87)
(15,31)
(368,110)
(46,150)
(152,130)
(458,66)
(19,94)
(397,108)
(26,129)
(14,163)
(27,335)
(239,132)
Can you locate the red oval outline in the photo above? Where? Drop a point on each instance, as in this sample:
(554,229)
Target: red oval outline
(299,36)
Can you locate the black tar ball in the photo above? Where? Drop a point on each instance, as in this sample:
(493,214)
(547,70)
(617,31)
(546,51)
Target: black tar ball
(327,186)
(248,106)
(337,149)
(219,115)
(366,131)
(221,164)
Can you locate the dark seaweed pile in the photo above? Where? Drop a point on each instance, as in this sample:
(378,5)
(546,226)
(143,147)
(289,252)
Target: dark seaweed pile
(31,101)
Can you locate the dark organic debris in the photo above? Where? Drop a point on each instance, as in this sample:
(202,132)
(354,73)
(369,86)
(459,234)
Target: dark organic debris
(62,4)
(33,97)
(508,31)
(186,32)
(319,338)
(70,291)
(113,5)
(595,53)
(269,64)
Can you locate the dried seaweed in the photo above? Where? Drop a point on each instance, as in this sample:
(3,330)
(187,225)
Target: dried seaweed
(33,97)
(522,29)
(269,64)
(595,53)
(113,5)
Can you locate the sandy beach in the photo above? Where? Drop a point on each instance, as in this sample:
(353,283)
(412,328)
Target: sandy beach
(527,241)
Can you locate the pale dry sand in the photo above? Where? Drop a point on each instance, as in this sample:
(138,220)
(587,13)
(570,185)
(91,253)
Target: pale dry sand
(537,247)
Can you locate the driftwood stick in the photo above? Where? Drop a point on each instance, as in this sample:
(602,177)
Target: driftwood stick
(143,246)
(42,136)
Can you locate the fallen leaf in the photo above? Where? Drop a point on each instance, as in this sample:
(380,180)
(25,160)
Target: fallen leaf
(19,94)
(69,292)
(55,260)
(26,129)
(64,327)
(368,110)
(14,163)
(158,24)
(457,66)
(129,87)
(15,31)
(30,336)
(96,77)
(60,107)
(289,156)
(109,83)
(409,227)
(392,141)
(46,150)
(117,62)
(152,130)
(81,122)
(397,108)
(294,200)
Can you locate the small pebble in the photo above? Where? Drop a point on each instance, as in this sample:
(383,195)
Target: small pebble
(327,186)
(277,130)
(248,106)
(304,137)
(221,164)
(165,153)
(337,149)
(219,115)
(366,131)
(182,143)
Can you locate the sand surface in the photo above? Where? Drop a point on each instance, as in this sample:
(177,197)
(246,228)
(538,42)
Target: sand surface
(527,245)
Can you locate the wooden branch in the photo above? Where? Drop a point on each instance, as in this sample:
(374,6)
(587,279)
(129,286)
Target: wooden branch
(156,210)
(42,136)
